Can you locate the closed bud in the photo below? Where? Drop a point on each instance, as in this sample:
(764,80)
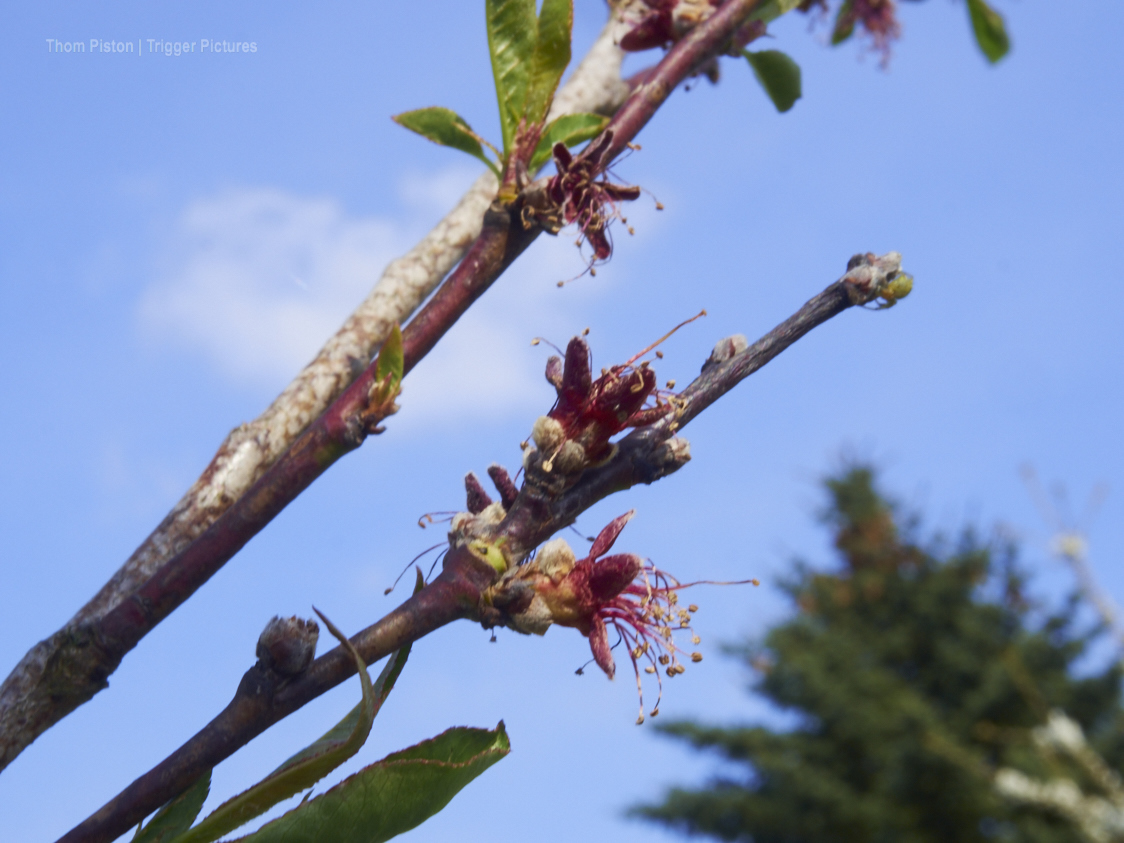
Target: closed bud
(288,645)
(571,458)
(547,434)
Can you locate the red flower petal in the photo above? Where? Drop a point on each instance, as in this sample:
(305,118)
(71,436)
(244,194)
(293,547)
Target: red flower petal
(576,376)
(599,644)
(607,536)
(613,574)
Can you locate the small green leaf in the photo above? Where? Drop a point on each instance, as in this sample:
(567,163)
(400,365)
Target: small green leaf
(178,815)
(991,34)
(311,764)
(393,795)
(512,33)
(844,24)
(391,360)
(570,129)
(779,76)
(773,9)
(552,54)
(447,128)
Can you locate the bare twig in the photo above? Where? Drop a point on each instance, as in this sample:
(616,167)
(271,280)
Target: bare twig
(652,452)
(642,457)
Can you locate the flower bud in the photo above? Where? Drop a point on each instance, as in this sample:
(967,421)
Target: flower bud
(571,458)
(288,645)
(555,559)
(548,434)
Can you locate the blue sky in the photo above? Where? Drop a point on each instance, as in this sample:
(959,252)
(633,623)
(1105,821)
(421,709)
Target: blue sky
(178,234)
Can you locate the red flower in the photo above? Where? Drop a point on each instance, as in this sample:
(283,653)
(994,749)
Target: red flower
(598,592)
(582,198)
(588,412)
(879,19)
(655,29)
(666,21)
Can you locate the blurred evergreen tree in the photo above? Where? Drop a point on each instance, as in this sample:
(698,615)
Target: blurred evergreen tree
(916,672)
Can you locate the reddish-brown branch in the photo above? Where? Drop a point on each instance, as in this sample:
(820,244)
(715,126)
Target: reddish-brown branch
(86,656)
(264,697)
(644,456)
(702,44)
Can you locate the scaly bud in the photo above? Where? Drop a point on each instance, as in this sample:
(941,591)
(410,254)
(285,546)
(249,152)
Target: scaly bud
(288,645)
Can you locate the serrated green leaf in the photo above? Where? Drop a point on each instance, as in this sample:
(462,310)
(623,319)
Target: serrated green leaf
(311,764)
(446,127)
(178,815)
(778,74)
(773,9)
(991,34)
(512,33)
(570,129)
(393,795)
(552,54)
(391,360)
(844,26)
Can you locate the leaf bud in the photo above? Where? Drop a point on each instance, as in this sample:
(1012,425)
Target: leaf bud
(288,645)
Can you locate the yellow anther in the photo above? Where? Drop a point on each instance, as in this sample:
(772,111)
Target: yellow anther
(649,669)
(692,608)
(665,659)
(696,657)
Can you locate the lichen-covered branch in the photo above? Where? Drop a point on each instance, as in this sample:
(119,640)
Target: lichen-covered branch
(67,669)
(594,86)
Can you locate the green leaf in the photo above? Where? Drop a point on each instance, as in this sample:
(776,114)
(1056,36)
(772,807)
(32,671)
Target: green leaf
(447,128)
(178,815)
(391,360)
(991,34)
(773,9)
(779,76)
(512,33)
(570,129)
(393,795)
(552,54)
(844,24)
(311,764)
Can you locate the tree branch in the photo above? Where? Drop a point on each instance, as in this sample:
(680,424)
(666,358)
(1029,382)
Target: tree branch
(250,449)
(645,455)
(72,666)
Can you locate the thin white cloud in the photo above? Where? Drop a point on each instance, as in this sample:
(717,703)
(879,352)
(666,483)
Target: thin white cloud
(258,278)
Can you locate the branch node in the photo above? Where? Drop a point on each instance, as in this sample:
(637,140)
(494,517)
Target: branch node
(868,276)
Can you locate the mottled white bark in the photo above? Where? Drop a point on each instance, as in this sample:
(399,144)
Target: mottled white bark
(27,706)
